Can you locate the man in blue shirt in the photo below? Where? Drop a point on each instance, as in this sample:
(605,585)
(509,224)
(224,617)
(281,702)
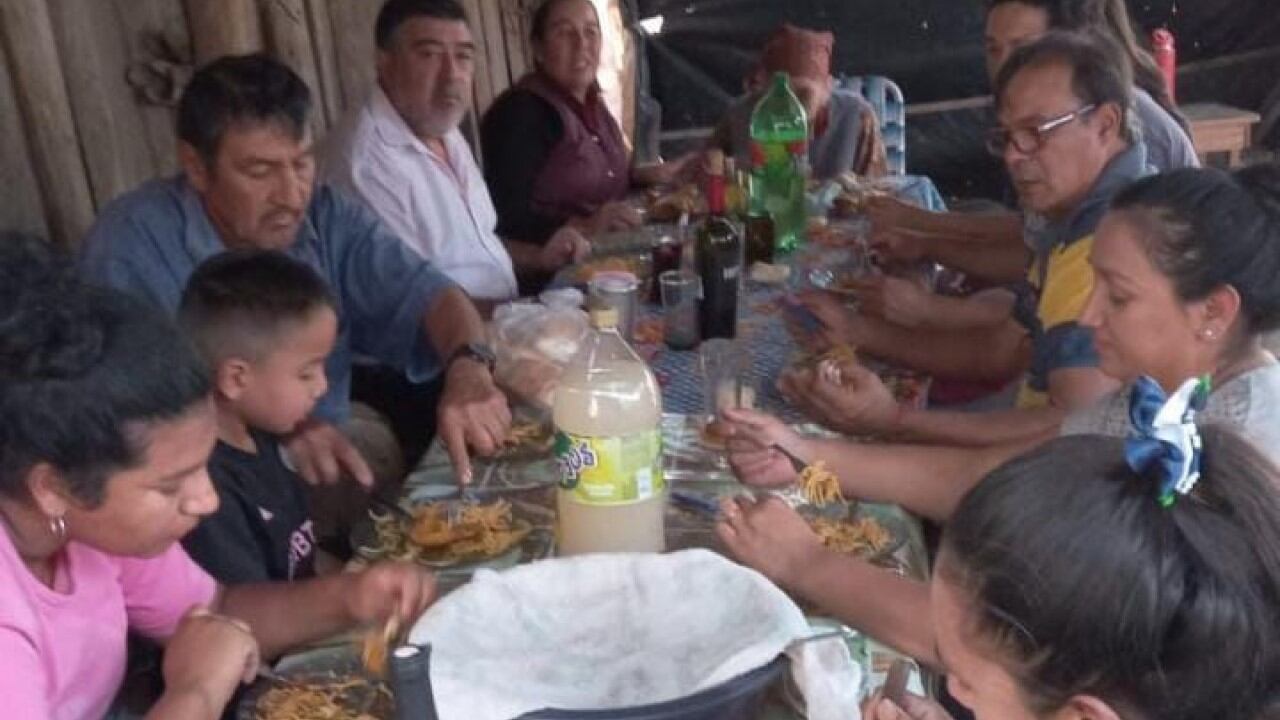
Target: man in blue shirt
(248,181)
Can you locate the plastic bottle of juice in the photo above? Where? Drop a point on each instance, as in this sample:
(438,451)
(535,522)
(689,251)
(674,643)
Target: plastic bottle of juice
(779,162)
(607,413)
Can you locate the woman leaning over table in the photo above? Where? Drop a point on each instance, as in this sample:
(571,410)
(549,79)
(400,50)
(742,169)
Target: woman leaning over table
(1186,265)
(553,153)
(105,428)
(1163,607)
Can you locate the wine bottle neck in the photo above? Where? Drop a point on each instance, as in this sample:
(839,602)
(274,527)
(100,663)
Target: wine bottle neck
(715,194)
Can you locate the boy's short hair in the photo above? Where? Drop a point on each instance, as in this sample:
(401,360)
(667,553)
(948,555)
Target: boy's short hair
(237,303)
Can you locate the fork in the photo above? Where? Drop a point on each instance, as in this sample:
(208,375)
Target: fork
(455,507)
(796,462)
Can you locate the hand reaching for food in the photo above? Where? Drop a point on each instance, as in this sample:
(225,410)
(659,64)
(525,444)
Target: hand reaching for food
(900,301)
(769,536)
(913,707)
(752,437)
(843,395)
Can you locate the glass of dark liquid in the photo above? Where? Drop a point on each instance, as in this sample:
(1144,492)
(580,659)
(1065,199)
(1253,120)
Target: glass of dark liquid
(667,252)
(759,239)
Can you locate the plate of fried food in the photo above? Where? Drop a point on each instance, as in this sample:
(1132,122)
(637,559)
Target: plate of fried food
(667,207)
(855,194)
(328,683)
(526,438)
(844,526)
(581,273)
(486,533)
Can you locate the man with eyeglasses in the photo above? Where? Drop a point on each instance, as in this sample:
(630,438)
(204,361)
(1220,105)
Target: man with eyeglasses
(1064,135)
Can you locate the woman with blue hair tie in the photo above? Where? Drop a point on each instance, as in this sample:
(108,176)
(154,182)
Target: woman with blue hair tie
(1186,266)
(1101,579)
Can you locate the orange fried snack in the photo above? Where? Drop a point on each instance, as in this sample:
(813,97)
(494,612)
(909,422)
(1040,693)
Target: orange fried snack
(591,268)
(330,700)
(481,530)
(864,536)
(377,645)
(819,486)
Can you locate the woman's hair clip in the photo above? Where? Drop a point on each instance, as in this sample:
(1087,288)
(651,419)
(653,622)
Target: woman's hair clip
(1165,443)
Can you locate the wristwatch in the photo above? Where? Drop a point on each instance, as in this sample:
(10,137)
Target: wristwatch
(479,352)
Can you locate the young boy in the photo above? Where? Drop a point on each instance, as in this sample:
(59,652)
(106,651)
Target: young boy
(265,324)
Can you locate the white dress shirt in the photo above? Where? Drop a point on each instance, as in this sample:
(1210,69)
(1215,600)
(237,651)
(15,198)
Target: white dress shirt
(439,206)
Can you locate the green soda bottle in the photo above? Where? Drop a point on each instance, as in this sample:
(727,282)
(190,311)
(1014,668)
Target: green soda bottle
(779,160)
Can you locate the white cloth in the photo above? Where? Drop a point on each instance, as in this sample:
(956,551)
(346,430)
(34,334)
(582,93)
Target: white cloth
(614,631)
(439,206)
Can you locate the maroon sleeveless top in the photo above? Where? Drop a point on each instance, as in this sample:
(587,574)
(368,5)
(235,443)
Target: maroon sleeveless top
(589,167)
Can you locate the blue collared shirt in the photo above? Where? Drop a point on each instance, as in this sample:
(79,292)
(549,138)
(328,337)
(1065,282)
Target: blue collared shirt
(149,241)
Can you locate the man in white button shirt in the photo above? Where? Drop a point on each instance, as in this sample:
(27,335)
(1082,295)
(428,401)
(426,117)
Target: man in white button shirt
(401,152)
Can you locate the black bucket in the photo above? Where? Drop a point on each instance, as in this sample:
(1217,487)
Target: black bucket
(730,700)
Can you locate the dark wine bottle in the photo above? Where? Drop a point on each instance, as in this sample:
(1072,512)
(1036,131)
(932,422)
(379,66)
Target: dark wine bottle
(719,250)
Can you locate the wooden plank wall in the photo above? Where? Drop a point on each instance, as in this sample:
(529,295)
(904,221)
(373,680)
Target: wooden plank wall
(87,87)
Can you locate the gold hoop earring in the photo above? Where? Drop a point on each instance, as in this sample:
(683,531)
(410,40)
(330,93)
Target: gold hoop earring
(58,526)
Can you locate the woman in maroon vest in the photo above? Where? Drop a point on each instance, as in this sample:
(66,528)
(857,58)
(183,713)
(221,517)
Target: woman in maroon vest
(553,153)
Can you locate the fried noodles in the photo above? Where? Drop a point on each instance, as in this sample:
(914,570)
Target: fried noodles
(864,536)
(333,700)
(481,531)
(820,486)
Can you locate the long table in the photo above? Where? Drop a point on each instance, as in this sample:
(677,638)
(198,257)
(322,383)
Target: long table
(690,468)
(528,482)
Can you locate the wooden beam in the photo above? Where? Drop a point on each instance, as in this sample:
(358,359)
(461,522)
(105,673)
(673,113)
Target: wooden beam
(223,27)
(95,58)
(22,209)
(156,30)
(495,45)
(483,92)
(326,58)
(46,111)
(289,36)
(354,47)
(515,29)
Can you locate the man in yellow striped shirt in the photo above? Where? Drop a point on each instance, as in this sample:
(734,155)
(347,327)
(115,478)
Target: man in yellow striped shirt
(1065,136)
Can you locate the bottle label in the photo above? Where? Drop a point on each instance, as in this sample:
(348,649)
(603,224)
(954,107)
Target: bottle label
(610,470)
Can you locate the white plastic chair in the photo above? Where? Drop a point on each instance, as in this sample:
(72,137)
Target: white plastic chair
(886,99)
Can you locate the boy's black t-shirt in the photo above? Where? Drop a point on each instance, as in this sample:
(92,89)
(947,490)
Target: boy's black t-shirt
(262,530)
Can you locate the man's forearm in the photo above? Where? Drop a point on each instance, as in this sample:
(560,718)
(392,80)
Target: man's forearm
(979,228)
(524,255)
(452,321)
(996,261)
(983,310)
(994,353)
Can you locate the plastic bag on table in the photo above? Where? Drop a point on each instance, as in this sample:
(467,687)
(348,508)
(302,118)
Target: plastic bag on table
(534,343)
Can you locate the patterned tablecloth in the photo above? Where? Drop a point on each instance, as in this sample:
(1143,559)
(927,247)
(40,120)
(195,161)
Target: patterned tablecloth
(528,481)
(690,469)
(761,328)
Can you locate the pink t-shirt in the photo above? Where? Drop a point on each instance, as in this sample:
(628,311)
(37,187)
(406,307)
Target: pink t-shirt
(62,652)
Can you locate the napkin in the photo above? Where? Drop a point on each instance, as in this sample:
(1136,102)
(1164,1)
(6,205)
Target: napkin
(620,630)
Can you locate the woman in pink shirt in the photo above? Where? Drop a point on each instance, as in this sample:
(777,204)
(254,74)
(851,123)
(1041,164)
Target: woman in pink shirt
(105,428)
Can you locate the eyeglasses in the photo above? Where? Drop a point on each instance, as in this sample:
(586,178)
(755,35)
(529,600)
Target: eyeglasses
(1027,140)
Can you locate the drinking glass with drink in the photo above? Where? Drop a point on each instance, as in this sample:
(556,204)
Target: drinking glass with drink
(680,290)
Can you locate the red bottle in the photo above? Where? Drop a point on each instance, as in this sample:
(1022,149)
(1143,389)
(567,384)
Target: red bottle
(1166,55)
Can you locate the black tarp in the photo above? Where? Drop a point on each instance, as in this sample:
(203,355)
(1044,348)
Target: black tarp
(1228,52)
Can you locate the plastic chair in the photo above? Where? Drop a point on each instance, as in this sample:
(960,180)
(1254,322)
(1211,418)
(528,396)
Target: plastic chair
(886,99)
